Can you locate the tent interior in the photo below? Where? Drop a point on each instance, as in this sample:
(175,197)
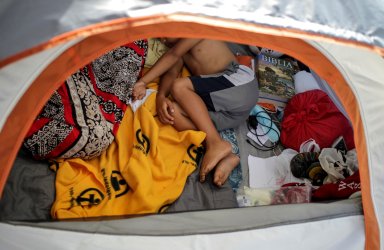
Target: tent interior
(254,189)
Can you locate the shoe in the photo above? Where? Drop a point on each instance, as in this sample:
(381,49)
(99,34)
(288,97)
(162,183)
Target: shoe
(307,165)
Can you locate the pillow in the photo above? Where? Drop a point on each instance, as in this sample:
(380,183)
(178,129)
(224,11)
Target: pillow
(155,50)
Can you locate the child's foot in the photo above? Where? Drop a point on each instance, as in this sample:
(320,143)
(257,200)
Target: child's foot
(224,169)
(212,156)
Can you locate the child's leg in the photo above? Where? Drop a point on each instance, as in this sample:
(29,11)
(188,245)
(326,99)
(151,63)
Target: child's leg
(216,148)
(225,166)
(181,120)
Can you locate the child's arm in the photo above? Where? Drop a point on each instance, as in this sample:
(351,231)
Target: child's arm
(165,62)
(164,106)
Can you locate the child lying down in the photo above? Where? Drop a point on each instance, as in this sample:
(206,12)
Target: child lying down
(219,95)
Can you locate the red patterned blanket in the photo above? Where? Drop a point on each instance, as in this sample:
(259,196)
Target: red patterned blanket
(83,115)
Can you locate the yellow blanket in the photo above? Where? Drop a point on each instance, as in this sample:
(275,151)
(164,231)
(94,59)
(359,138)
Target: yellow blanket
(143,170)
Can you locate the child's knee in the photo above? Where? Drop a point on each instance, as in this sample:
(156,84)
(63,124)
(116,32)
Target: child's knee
(177,86)
(180,86)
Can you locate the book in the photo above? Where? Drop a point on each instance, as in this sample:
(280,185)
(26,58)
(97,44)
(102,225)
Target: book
(275,77)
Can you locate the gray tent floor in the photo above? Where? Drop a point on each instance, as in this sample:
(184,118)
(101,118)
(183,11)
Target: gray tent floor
(210,221)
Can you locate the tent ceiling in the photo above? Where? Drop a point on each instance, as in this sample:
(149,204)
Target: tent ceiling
(39,21)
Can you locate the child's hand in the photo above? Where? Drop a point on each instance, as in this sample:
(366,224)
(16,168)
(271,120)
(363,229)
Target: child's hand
(138,91)
(165,110)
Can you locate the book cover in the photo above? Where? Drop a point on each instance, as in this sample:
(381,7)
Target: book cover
(275,77)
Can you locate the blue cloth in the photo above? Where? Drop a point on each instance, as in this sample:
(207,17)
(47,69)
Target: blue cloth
(236,176)
(266,123)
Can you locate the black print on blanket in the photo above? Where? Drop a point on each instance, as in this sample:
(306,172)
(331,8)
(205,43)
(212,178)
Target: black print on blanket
(83,115)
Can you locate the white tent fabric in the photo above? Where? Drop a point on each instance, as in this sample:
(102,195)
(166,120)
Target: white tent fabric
(15,82)
(331,234)
(368,88)
(40,20)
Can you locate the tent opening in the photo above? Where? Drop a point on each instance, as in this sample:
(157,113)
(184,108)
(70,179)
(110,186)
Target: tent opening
(92,153)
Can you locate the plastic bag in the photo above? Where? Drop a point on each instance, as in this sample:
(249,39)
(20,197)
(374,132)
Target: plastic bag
(249,197)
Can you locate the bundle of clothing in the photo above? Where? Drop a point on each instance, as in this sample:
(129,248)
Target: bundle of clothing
(82,117)
(333,173)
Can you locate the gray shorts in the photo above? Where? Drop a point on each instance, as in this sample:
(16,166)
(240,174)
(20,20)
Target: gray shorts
(229,96)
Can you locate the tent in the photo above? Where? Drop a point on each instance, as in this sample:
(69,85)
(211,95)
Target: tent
(343,42)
